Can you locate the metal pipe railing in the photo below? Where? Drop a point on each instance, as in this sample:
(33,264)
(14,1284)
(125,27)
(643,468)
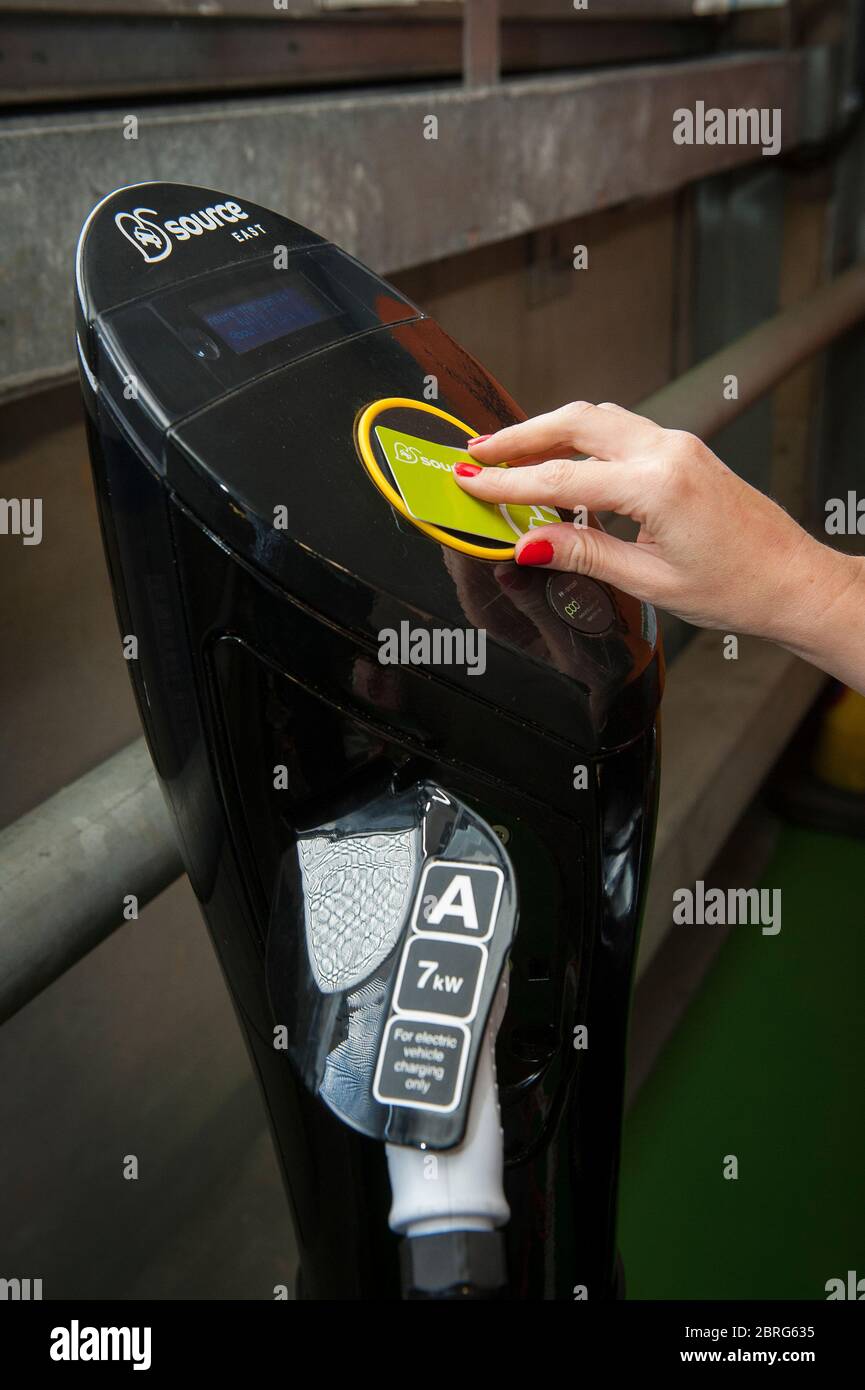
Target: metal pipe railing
(67,866)
(759,359)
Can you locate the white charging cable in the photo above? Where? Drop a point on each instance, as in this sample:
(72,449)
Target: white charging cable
(458,1189)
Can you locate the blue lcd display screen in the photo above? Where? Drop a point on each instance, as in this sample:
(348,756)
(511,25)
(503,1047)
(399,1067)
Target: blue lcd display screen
(250,323)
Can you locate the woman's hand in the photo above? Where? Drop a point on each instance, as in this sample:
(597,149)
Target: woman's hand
(711,548)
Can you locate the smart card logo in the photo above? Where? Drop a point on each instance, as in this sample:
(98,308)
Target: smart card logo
(152,241)
(406,453)
(410,453)
(155,240)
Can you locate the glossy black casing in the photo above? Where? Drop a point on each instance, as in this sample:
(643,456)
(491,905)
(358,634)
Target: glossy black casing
(258,647)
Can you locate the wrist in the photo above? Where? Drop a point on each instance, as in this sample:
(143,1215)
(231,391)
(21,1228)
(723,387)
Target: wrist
(824,612)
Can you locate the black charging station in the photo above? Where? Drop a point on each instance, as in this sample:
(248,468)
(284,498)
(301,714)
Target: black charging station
(414,786)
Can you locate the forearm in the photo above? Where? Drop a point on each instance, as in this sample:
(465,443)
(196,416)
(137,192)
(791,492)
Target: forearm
(825,623)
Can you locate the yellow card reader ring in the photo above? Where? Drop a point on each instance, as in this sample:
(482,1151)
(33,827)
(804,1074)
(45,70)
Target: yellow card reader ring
(409,449)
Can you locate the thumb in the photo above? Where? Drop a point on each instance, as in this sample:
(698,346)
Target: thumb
(586,550)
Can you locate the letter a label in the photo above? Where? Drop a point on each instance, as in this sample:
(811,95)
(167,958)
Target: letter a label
(458,899)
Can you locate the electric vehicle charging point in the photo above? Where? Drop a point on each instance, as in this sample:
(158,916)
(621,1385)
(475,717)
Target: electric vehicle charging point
(414,786)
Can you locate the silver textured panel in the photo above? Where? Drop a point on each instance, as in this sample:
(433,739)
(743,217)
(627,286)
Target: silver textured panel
(346,1084)
(356,894)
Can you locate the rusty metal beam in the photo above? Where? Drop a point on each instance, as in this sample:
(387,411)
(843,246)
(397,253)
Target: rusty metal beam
(76,56)
(695,401)
(360,168)
(541,9)
(481,42)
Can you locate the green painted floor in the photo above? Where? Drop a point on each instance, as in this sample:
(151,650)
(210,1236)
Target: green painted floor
(767,1065)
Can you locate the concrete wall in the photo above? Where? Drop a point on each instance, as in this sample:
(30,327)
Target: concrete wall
(553,334)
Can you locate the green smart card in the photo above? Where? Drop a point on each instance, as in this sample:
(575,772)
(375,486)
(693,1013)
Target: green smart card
(423,470)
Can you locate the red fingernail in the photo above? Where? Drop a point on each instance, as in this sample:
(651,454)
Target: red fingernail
(535,553)
(479,439)
(467,470)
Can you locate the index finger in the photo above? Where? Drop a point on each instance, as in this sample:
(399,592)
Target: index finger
(592,483)
(605,431)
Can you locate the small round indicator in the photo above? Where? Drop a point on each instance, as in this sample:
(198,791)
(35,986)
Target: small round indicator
(582,603)
(200,344)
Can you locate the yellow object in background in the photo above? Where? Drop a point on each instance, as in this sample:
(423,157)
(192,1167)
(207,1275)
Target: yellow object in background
(839,755)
